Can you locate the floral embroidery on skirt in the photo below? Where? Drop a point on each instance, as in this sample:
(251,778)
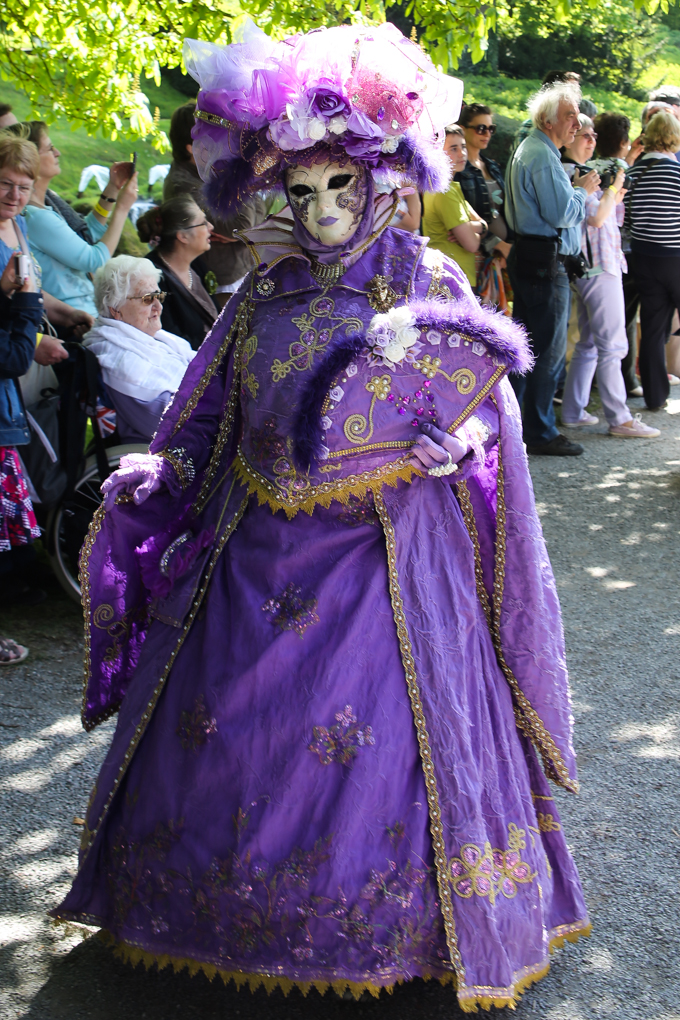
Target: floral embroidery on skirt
(18,525)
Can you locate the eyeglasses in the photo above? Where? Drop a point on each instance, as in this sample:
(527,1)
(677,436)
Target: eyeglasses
(194,225)
(590,135)
(6,187)
(148,299)
(484,129)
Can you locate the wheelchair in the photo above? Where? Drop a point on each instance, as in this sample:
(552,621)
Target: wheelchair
(66,518)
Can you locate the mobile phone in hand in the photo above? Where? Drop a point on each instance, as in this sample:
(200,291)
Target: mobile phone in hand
(133,160)
(22,268)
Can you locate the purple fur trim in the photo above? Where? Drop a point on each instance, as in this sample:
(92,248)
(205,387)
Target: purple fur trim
(306,430)
(231,183)
(503,337)
(427,163)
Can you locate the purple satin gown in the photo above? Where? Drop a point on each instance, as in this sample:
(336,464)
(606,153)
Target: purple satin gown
(336,685)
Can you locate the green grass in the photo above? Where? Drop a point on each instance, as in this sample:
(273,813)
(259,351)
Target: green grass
(508,96)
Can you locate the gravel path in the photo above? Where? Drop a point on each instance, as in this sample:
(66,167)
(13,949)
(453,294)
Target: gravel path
(612,521)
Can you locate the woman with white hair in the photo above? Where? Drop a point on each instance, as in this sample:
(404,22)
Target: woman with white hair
(141,364)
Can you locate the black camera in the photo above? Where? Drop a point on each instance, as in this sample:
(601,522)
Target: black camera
(607,178)
(607,169)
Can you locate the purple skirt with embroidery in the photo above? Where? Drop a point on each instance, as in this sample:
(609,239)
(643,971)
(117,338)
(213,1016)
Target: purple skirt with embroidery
(274,820)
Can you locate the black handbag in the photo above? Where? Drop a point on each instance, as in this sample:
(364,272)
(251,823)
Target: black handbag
(41,457)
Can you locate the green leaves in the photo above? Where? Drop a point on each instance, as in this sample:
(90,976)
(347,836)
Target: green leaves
(87,61)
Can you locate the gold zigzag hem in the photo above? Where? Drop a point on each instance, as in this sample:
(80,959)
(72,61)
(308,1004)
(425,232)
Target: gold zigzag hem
(471,998)
(323,494)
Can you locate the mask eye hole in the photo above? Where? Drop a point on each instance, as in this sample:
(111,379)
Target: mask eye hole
(339,181)
(301,190)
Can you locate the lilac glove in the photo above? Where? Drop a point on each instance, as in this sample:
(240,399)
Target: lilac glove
(433,446)
(139,474)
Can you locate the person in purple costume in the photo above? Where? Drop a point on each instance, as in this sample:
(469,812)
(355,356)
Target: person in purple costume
(322,604)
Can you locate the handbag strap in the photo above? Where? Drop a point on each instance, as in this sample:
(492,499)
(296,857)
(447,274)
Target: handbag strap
(21,239)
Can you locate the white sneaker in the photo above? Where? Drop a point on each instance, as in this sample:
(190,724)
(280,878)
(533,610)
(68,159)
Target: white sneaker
(585,419)
(673,379)
(637,392)
(636,430)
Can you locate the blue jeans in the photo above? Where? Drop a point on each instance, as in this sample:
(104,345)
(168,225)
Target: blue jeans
(543,307)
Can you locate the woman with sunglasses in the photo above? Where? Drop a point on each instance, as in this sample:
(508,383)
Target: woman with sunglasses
(482,179)
(178,233)
(582,148)
(142,365)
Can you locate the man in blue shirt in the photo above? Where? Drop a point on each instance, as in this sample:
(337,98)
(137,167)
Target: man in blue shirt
(542,204)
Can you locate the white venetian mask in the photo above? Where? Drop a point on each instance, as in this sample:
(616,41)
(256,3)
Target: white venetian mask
(328,199)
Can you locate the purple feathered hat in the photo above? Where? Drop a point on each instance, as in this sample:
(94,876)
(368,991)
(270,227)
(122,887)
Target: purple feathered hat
(366,96)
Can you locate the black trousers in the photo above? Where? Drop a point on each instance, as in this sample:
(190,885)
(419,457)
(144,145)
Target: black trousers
(631,299)
(658,283)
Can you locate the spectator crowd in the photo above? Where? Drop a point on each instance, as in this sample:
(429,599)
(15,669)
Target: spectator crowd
(582,220)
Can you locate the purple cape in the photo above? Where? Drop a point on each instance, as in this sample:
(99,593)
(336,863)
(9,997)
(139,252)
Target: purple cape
(336,675)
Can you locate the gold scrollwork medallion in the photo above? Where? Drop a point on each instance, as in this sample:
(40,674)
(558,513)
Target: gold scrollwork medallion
(381,297)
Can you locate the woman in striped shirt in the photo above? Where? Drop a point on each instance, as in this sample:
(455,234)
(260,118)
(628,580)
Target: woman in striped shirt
(653,220)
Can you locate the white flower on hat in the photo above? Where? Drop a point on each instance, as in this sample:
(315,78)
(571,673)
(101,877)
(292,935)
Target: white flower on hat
(316,128)
(338,124)
(391,144)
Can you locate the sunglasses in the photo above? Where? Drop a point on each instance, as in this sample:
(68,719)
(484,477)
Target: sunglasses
(484,129)
(148,299)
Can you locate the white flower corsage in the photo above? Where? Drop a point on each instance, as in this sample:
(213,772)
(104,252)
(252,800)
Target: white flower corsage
(392,337)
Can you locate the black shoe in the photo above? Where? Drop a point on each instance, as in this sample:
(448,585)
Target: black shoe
(557,399)
(560,446)
(661,407)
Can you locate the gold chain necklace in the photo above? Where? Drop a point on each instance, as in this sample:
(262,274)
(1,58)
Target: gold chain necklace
(326,275)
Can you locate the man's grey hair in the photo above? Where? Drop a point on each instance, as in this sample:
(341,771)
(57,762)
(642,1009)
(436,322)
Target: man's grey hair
(544,105)
(666,93)
(114,281)
(652,107)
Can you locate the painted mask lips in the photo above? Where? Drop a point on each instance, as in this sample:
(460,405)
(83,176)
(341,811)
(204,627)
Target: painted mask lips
(327,221)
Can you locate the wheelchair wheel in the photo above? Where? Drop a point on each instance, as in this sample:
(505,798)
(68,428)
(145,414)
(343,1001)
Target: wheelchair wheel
(68,523)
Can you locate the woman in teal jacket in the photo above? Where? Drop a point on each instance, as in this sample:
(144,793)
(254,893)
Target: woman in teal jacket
(65,256)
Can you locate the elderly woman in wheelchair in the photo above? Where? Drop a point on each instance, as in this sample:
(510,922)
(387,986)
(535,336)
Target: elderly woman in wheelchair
(141,364)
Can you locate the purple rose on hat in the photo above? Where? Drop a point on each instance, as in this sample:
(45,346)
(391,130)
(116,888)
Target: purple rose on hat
(327,98)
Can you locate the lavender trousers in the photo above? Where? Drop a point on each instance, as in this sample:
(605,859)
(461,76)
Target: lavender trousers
(602,345)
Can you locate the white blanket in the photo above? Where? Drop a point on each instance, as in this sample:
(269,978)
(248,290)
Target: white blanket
(136,364)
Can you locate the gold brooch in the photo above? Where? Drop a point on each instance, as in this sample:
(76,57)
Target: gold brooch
(381,297)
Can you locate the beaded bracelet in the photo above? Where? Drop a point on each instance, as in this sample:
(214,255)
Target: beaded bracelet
(101,211)
(449,467)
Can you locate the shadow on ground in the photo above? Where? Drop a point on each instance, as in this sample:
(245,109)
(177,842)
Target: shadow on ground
(92,982)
